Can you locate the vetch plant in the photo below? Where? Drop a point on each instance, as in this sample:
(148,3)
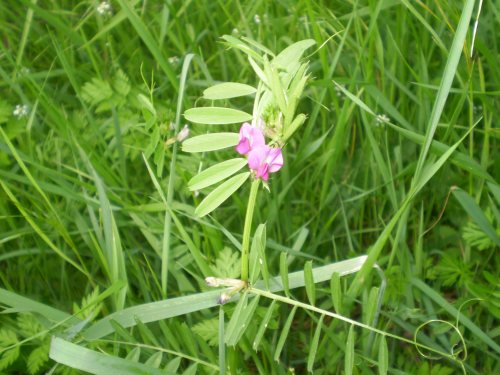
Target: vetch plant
(282,79)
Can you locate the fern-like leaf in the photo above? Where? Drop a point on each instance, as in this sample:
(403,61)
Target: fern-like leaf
(7,339)
(227,264)
(208,331)
(37,358)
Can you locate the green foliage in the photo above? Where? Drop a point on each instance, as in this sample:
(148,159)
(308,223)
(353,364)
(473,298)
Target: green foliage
(208,331)
(227,264)
(36,351)
(386,113)
(9,345)
(89,307)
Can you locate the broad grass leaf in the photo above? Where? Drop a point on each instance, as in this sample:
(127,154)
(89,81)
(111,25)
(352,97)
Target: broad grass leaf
(216,173)
(210,142)
(220,194)
(216,115)
(228,90)
(94,362)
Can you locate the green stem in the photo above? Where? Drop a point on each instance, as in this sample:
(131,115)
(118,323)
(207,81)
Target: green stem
(248,228)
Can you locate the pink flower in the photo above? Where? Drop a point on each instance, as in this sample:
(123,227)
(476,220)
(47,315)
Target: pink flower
(250,138)
(264,160)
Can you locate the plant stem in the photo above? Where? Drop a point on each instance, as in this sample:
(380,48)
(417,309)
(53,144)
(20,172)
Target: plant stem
(247,229)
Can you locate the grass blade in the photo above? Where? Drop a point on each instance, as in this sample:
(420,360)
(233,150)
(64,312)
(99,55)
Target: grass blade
(445,86)
(477,215)
(84,359)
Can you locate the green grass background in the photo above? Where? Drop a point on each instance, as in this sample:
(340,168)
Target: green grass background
(79,210)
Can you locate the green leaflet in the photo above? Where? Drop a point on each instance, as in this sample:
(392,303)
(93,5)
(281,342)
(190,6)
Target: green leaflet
(210,142)
(349,351)
(228,90)
(220,194)
(309,281)
(314,345)
(216,173)
(292,54)
(256,252)
(216,115)
(284,334)
(383,356)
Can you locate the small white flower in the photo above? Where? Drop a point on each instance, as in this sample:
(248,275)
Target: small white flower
(173,60)
(24,71)
(235,31)
(256,19)
(478,108)
(20,111)
(104,8)
(382,119)
(338,90)
(183,134)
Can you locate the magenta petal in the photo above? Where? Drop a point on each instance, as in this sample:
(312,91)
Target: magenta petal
(256,137)
(250,138)
(263,172)
(245,130)
(275,159)
(243,147)
(257,156)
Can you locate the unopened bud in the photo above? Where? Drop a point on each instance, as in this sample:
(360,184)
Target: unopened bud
(183,134)
(224,297)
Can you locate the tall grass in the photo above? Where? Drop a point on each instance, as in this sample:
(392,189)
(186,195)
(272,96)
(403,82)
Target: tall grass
(100,246)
